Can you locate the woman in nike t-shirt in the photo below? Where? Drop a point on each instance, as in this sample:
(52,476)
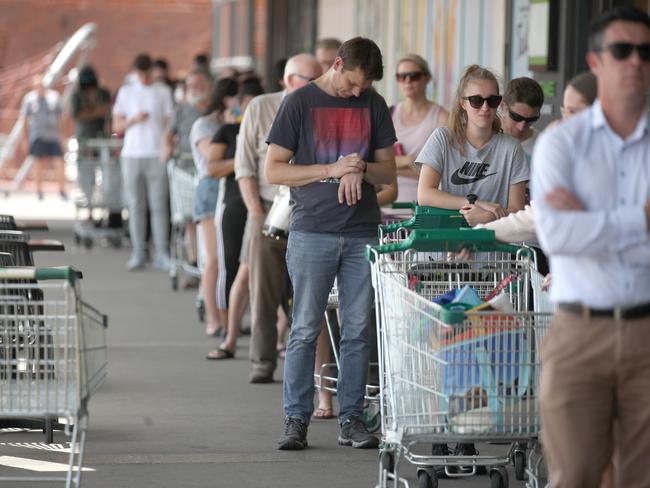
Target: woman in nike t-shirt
(473,156)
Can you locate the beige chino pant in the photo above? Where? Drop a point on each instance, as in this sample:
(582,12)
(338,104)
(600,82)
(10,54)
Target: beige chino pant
(595,401)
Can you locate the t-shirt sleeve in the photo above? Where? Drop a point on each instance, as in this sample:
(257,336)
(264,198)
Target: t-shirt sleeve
(433,152)
(24,106)
(201,129)
(519,170)
(246,163)
(385,130)
(58,106)
(221,136)
(285,131)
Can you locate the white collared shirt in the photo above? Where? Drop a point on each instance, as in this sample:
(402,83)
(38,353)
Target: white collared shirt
(601,256)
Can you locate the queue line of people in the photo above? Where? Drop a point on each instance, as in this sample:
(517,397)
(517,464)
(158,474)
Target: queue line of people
(335,142)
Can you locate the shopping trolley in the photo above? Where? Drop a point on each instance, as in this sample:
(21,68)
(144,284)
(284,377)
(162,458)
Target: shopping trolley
(100,192)
(449,373)
(52,354)
(182,182)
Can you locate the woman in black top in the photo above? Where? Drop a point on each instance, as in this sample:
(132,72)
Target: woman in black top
(230,219)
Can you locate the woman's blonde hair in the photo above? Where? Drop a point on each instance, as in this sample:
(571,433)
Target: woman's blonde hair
(417,60)
(458,115)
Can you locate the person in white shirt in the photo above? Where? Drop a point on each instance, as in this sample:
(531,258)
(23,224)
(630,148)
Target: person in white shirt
(591,185)
(143,111)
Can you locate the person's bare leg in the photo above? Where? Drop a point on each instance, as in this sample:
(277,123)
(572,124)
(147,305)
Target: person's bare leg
(238,303)
(209,276)
(59,168)
(39,169)
(190,241)
(323,356)
(282,325)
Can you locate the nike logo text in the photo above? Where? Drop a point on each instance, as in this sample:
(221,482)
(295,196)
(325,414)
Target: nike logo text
(470,173)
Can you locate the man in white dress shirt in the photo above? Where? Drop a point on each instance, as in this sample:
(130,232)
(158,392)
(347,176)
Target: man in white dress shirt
(591,184)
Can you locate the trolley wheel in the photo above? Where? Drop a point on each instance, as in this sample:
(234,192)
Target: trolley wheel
(498,477)
(200,310)
(48,430)
(88,242)
(115,242)
(174,282)
(519,460)
(427,479)
(387,461)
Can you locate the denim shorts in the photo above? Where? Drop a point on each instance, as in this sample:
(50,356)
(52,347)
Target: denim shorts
(45,149)
(205,198)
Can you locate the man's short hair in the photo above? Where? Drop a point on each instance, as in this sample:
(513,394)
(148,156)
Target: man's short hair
(142,62)
(329,44)
(624,14)
(161,63)
(364,54)
(524,90)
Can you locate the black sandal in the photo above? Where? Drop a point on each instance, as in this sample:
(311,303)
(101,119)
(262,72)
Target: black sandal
(220,353)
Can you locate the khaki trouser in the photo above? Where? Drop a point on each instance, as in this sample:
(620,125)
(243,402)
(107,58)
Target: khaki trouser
(268,281)
(595,401)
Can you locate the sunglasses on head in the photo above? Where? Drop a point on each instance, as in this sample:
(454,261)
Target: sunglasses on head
(477,101)
(520,118)
(412,75)
(623,50)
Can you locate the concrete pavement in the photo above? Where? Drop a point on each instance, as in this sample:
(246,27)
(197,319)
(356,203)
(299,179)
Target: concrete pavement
(166,417)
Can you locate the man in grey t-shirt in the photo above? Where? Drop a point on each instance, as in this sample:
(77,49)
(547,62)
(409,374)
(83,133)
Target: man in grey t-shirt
(41,110)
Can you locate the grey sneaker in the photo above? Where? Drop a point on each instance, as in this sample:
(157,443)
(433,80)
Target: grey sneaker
(295,435)
(353,433)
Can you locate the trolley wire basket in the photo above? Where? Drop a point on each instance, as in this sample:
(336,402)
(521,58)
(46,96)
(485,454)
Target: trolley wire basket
(53,355)
(455,372)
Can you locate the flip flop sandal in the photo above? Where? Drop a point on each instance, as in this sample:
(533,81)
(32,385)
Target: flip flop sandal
(219,354)
(323,414)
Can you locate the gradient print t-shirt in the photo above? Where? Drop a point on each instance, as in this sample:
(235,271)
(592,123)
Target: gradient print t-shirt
(320,129)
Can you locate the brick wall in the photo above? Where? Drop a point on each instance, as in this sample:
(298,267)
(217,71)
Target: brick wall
(174,29)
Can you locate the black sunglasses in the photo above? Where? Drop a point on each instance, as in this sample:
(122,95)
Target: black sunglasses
(623,50)
(520,118)
(477,101)
(413,75)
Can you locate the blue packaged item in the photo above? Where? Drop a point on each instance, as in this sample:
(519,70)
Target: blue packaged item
(446,298)
(467,295)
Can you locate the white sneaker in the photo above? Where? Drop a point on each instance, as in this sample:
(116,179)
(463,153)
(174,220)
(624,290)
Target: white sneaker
(161,263)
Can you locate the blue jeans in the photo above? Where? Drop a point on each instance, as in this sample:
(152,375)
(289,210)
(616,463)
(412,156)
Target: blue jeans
(313,261)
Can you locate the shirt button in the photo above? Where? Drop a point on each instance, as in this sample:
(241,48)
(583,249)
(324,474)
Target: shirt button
(622,201)
(622,174)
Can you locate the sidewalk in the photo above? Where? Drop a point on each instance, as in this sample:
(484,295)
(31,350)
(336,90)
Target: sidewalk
(167,418)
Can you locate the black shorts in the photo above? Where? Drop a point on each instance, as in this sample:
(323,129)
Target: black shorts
(45,149)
